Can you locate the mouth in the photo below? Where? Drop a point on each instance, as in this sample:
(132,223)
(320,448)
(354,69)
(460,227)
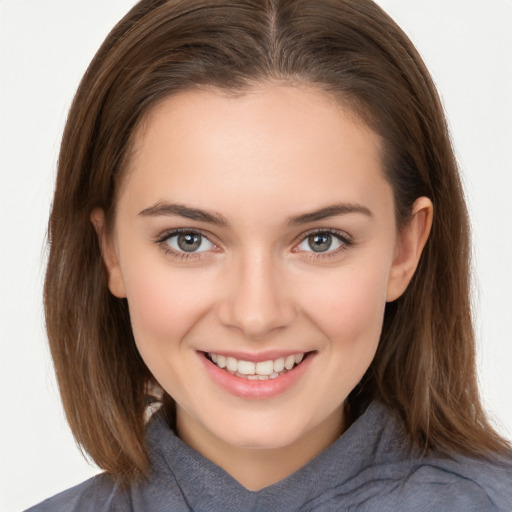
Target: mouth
(260,370)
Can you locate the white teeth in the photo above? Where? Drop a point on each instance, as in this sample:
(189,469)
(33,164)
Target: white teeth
(289,362)
(246,367)
(279,364)
(261,370)
(231,364)
(264,367)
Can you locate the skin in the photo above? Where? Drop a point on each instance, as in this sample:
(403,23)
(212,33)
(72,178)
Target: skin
(255,285)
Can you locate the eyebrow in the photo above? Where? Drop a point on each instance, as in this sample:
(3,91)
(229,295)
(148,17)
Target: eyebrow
(184,211)
(329,211)
(170,209)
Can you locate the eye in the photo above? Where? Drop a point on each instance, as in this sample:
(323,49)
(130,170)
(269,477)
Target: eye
(188,242)
(322,242)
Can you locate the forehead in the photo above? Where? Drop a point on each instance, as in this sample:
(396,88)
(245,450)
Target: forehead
(277,143)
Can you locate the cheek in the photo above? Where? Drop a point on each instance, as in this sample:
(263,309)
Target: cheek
(349,311)
(163,307)
(349,307)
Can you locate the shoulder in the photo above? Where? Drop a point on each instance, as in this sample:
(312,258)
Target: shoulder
(458,483)
(427,485)
(442,482)
(93,495)
(385,474)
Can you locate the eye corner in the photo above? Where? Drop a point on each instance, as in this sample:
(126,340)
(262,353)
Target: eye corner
(338,242)
(194,243)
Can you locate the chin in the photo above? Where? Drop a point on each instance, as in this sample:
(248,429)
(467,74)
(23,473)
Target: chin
(263,433)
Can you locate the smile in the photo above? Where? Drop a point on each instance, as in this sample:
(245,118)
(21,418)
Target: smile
(259,377)
(262,370)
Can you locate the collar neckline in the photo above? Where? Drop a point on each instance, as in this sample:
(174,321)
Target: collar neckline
(204,483)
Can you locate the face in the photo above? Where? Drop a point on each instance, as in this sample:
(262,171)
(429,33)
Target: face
(256,243)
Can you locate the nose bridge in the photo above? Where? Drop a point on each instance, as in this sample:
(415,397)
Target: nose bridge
(257,301)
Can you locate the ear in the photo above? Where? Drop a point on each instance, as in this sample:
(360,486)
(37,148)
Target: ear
(108,252)
(411,241)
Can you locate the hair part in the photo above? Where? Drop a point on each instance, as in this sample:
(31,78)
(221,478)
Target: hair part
(424,368)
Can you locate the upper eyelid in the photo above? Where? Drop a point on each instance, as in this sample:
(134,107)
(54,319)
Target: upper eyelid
(164,235)
(180,255)
(346,242)
(343,235)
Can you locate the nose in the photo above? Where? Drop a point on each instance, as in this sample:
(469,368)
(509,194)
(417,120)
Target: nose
(257,300)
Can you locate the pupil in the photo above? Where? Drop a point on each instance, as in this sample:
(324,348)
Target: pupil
(189,242)
(320,242)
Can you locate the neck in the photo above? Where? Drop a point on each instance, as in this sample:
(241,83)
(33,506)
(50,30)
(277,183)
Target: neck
(256,468)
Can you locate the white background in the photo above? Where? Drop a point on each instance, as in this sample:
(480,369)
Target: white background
(45,46)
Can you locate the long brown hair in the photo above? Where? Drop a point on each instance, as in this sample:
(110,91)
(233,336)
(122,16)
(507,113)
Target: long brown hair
(424,369)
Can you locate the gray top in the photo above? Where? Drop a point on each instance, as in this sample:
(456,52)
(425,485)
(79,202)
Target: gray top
(366,469)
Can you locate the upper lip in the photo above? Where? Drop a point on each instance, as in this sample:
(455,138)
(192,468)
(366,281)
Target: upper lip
(257,357)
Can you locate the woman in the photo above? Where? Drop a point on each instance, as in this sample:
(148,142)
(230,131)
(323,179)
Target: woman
(256,205)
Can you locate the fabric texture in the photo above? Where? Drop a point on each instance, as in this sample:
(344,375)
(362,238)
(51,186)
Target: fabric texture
(367,469)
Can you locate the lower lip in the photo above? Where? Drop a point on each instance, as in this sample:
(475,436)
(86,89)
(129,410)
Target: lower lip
(256,389)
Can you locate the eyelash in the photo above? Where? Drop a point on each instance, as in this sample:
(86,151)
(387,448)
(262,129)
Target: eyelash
(345,240)
(163,239)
